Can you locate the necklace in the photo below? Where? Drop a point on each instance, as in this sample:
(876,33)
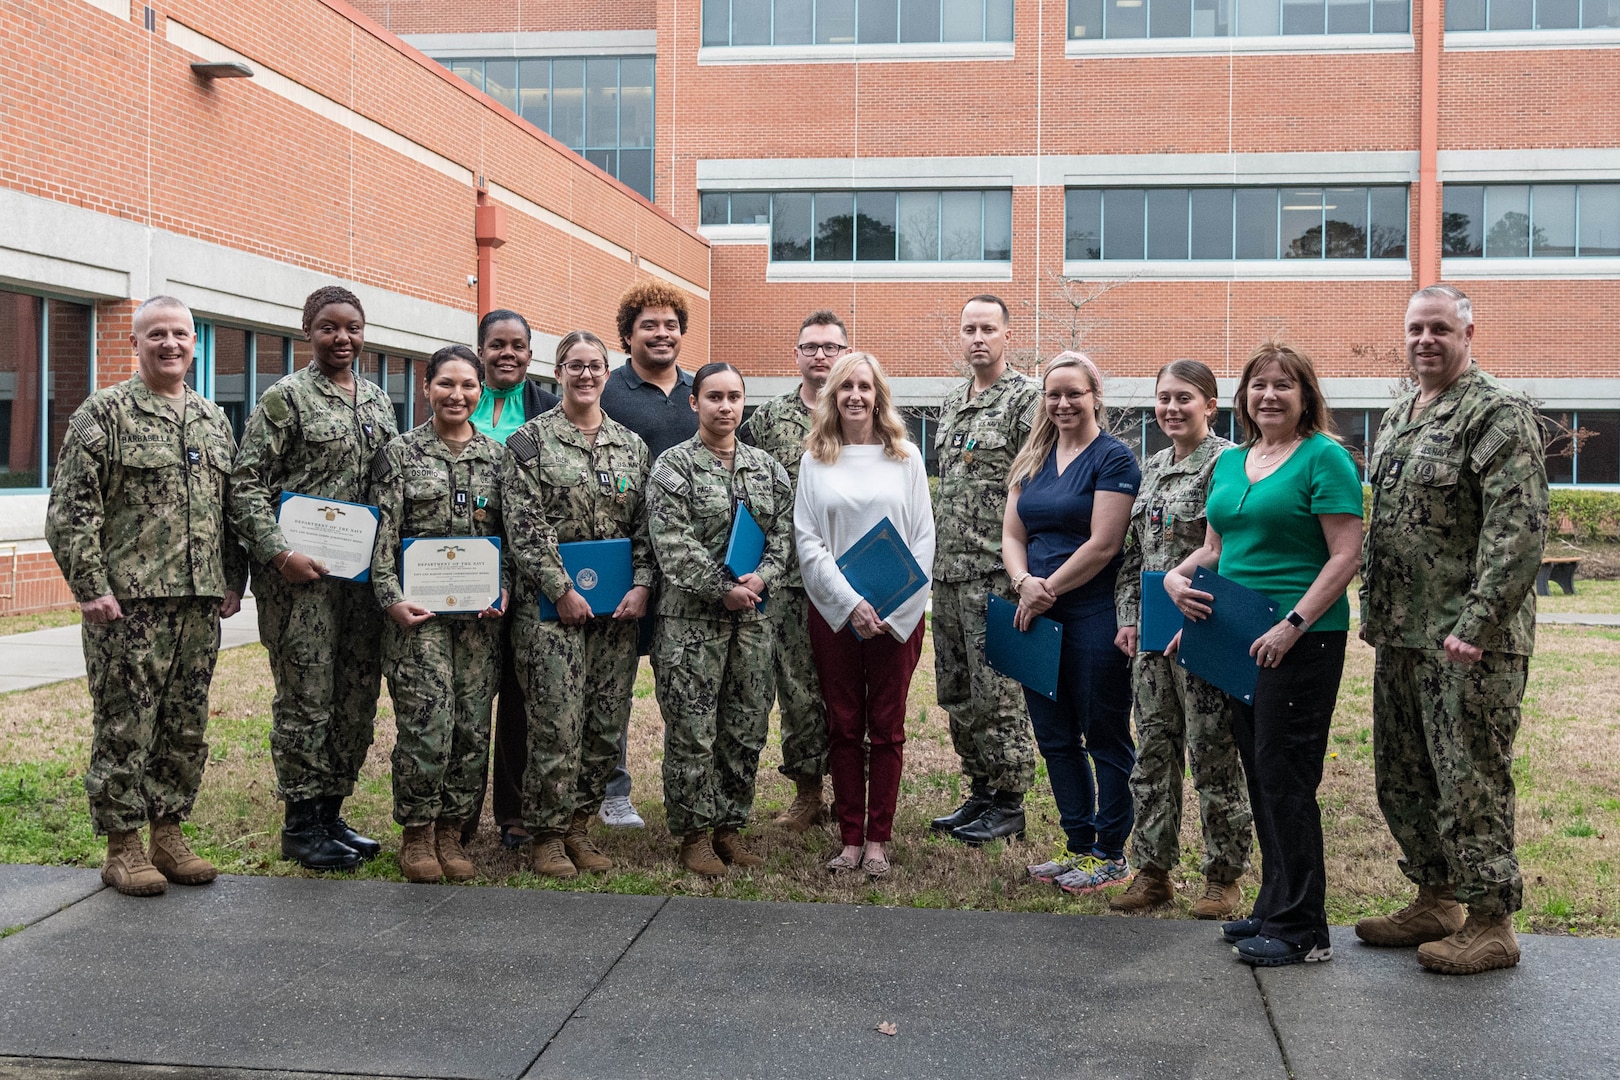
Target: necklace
(1285,451)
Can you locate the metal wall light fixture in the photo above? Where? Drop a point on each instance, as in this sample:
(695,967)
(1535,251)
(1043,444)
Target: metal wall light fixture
(224,70)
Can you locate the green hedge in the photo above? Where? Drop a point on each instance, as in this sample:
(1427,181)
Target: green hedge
(1580,515)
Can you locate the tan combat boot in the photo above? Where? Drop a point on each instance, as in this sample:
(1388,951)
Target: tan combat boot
(1150,889)
(1484,942)
(417,859)
(728,844)
(807,810)
(697,855)
(174,859)
(551,857)
(1220,900)
(581,849)
(452,856)
(1434,914)
(127,868)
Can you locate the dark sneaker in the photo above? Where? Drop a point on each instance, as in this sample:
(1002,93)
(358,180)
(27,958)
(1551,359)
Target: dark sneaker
(1241,930)
(1275,952)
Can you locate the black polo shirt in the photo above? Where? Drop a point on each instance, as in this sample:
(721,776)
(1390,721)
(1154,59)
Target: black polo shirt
(662,420)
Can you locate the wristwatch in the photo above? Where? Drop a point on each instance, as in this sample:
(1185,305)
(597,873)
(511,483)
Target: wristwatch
(1297,621)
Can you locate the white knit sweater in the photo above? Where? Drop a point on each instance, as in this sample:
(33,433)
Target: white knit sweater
(838,504)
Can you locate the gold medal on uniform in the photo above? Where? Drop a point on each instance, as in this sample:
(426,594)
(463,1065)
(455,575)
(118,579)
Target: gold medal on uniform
(479,514)
(967,458)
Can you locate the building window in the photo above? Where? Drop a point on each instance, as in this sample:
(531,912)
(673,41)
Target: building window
(873,226)
(1597,460)
(1117,19)
(1532,14)
(1526,221)
(600,107)
(855,22)
(45,373)
(1235,223)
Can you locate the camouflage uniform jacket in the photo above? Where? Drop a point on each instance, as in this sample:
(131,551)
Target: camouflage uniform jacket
(137,507)
(978,439)
(1167,520)
(779,427)
(1458,523)
(560,490)
(415,481)
(308,437)
(690,507)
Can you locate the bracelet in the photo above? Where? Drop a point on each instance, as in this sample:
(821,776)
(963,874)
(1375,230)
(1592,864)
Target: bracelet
(1019,579)
(285,556)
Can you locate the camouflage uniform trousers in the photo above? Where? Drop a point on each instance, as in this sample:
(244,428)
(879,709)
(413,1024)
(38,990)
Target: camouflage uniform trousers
(149,676)
(325,646)
(714,682)
(1180,716)
(798,691)
(1443,750)
(442,675)
(577,685)
(989,723)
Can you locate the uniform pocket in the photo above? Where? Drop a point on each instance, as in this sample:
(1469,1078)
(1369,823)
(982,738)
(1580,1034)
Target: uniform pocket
(153,474)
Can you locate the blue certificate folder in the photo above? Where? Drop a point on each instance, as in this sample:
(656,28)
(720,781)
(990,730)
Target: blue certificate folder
(746,547)
(1030,656)
(1159,620)
(601,571)
(882,569)
(1216,649)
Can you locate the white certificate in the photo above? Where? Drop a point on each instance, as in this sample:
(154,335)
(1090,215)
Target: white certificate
(339,534)
(451,573)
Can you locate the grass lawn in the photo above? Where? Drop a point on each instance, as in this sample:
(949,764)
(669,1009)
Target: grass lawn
(1568,773)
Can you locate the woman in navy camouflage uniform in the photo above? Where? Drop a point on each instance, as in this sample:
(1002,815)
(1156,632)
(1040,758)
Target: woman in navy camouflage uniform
(438,480)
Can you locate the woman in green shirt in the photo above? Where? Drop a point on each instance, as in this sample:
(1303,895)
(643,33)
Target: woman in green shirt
(1284,513)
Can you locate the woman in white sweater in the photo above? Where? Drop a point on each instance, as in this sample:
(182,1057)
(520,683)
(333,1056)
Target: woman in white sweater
(858,469)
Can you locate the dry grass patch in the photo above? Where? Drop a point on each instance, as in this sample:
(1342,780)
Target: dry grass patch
(1569,813)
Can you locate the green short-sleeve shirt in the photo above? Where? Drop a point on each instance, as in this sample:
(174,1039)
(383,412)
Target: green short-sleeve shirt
(1271,540)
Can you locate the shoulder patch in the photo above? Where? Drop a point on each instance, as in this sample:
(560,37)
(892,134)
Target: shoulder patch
(274,404)
(522,445)
(86,430)
(673,481)
(1486,448)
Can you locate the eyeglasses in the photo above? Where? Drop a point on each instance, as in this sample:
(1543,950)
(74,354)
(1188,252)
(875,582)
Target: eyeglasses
(810,348)
(1053,397)
(577,368)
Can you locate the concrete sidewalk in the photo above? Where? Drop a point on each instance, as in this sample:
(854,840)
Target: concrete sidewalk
(281,975)
(46,656)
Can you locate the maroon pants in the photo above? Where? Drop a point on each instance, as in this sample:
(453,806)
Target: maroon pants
(864,684)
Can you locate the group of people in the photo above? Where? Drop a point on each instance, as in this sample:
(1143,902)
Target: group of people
(157,518)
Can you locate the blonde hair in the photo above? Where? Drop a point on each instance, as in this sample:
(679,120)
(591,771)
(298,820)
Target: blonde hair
(826,439)
(1043,435)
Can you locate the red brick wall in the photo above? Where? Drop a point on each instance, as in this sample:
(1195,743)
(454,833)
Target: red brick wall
(510,16)
(1186,104)
(36,586)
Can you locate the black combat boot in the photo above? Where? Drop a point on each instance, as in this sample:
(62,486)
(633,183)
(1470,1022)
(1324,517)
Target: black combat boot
(306,841)
(978,801)
(1004,818)
(338,829)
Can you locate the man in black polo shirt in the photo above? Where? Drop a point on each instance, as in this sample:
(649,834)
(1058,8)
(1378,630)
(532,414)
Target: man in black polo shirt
(653,398)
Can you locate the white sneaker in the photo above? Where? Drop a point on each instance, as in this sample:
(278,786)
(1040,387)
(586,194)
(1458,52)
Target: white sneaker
(618,813)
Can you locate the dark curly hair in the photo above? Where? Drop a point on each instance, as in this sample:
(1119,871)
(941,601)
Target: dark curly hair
(648,294)
(325,296)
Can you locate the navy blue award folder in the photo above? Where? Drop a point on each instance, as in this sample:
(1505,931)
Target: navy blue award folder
(1216,649)
(1030,656)
(1159,619)
(882,569)
(601,572)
